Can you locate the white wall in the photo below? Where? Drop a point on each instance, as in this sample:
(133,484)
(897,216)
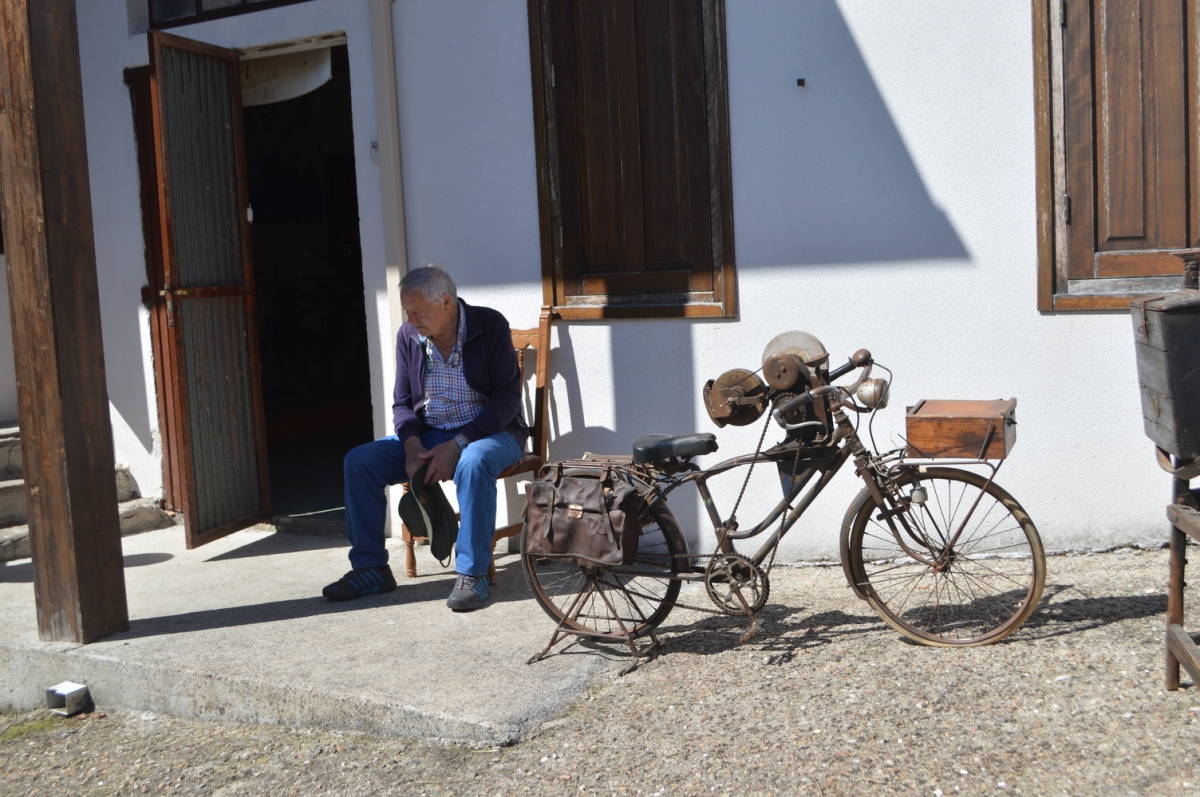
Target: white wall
(888,204)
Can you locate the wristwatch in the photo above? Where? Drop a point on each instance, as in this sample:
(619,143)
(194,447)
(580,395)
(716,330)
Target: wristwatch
(462,442)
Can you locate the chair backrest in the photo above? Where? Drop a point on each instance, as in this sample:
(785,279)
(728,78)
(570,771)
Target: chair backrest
(537,340)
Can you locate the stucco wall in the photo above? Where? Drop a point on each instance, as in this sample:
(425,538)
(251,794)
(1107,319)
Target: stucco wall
(888,204)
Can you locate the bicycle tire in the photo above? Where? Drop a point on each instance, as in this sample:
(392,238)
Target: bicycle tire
(642,594)
(990,581)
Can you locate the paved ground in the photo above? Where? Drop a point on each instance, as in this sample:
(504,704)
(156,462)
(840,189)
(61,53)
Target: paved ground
(826,701)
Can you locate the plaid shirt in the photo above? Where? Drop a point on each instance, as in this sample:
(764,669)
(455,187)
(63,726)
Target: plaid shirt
(450,403)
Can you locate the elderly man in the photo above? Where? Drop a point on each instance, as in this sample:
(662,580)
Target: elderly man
(457,411)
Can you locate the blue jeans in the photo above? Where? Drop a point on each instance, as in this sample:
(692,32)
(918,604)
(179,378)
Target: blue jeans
(369,468)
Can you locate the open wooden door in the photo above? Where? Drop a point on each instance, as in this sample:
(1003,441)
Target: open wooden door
(202,291)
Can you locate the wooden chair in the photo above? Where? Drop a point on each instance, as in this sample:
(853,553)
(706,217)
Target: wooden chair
(524,340)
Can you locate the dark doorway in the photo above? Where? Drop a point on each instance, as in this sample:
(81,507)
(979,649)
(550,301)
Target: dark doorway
(311,314)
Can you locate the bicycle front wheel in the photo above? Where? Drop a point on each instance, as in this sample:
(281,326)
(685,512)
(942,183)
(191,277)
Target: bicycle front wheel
(612,604)
(970,589)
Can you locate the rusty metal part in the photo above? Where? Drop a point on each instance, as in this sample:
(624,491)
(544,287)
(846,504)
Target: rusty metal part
(737,398)
(806,347)
(736,585)
(786,372)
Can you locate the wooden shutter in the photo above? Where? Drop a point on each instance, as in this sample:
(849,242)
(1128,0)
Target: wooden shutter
(207,352)
(1129,143)
(636,157)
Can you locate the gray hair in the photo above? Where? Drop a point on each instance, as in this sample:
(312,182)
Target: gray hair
(431,280)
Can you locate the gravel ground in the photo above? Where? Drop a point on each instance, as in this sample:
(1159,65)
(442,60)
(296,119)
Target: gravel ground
(826,700)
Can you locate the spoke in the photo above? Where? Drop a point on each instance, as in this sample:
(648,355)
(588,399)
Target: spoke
(986,582)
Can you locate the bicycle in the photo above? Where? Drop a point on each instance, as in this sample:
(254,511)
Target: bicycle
(943,555)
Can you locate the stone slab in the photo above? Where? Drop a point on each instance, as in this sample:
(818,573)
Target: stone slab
(237,630)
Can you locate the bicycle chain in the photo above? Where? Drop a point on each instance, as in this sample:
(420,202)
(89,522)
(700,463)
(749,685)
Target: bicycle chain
(733,515)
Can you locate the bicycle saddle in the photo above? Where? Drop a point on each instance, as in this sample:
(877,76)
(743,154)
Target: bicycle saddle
(658,447)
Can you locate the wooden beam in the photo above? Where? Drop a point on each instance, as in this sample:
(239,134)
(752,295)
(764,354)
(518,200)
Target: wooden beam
(1181,646)
(1185,519)
(66,434)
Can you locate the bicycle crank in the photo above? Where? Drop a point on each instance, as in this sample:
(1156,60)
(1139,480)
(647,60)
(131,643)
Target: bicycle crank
(736,585)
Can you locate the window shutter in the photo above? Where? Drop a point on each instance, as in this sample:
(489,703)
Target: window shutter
(1128,146)
(637,150)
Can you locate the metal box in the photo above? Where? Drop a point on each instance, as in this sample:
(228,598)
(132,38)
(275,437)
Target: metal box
(1166,332)
(940,429)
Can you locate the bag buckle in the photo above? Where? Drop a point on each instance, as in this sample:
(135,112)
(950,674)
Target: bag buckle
(574,510)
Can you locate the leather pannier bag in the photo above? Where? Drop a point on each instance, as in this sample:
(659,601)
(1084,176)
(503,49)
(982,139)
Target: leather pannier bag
(589,518)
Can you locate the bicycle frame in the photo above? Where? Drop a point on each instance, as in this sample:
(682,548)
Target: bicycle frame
(828,465)
(828,462)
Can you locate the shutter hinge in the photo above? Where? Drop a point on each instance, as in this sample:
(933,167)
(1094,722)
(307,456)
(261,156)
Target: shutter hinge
(1066,203)
(553,82)
(1062,13)
(560,236)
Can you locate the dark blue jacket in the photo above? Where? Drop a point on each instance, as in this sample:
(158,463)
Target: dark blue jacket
(489,365)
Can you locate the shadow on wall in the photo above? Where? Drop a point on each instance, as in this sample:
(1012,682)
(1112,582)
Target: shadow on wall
(820,173)
(653,386)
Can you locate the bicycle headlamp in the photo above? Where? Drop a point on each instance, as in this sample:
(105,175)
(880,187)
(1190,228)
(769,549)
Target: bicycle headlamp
(873,393)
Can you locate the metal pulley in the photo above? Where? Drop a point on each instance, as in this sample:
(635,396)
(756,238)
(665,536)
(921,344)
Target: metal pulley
(736,398)
(788,359)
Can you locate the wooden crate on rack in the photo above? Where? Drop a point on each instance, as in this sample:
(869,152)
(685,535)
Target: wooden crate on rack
(960,429)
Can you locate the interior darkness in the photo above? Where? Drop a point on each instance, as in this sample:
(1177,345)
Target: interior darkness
(308,275)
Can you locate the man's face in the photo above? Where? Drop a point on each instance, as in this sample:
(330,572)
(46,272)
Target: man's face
(432,319)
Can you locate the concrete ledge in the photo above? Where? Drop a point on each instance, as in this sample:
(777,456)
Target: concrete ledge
(25,671)
(237,630)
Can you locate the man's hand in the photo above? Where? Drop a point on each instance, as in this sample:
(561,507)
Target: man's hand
(413,451)
(442,459)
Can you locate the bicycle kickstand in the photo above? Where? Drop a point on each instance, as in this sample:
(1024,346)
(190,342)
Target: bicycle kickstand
(752,631)
(560,630)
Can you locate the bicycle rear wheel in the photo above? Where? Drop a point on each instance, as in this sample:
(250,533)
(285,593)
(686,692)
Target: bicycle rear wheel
(613,604)
(976,591)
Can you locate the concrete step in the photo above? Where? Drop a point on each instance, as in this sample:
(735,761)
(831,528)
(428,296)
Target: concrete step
(12,502)
(12,496)
(14,543)
(137,515)
(10,457)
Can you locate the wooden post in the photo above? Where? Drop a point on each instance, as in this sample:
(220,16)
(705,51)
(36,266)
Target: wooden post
(66,434)
(1177,564)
